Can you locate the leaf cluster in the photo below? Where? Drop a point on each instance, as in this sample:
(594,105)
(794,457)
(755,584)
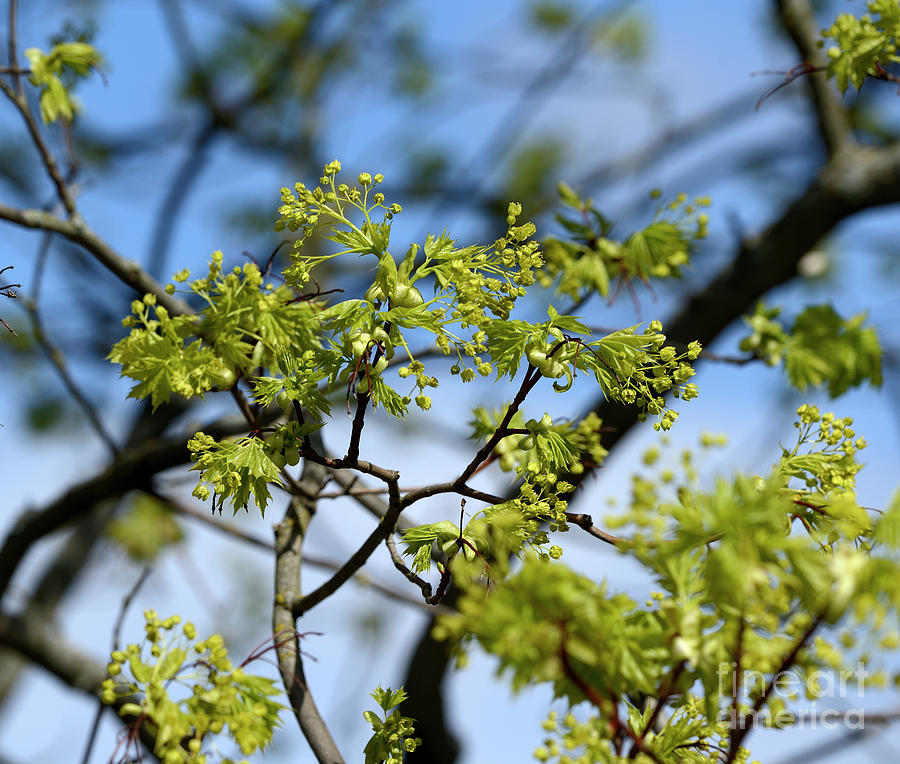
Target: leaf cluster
(863,45)
(732,581)
(234,469)
(587,259)
(296,349)
(65,61)
(630,368)
(189,692)
(146,528)
(821,348)
(240,329)
(567,446)
(392,736)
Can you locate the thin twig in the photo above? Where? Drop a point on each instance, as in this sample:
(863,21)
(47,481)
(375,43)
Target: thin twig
(50,165)
(55,355)
(76,230)
(126,603)
(586,523)
(316,561)
(743,728)
(57,359)
(529,380)
(13,68)
(799,21)
(405,571)
(178,31)
(117,629)
(359,418)
(357,560)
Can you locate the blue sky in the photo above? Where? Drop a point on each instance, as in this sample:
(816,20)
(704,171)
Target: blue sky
(700,54)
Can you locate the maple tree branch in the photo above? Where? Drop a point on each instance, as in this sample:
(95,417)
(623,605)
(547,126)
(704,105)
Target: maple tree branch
(357,559)
(586,523)
(77,231)
(737,735)
(529,380)
(117,630)
(405,571)
(12,49)
(290,534)
(134,469)
(359,419)
(58,361)
(19,100)
(799,21)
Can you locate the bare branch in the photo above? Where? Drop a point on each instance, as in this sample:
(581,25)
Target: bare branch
(178,31)
(357,560)
(799,22)
(11,46)
(289,537)
(586,523)
(58,360)
(133,469)
(76,230)
(117,629)
(21,104)
(317,562)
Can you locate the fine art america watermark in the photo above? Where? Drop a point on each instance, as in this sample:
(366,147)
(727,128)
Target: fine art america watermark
(831,706)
